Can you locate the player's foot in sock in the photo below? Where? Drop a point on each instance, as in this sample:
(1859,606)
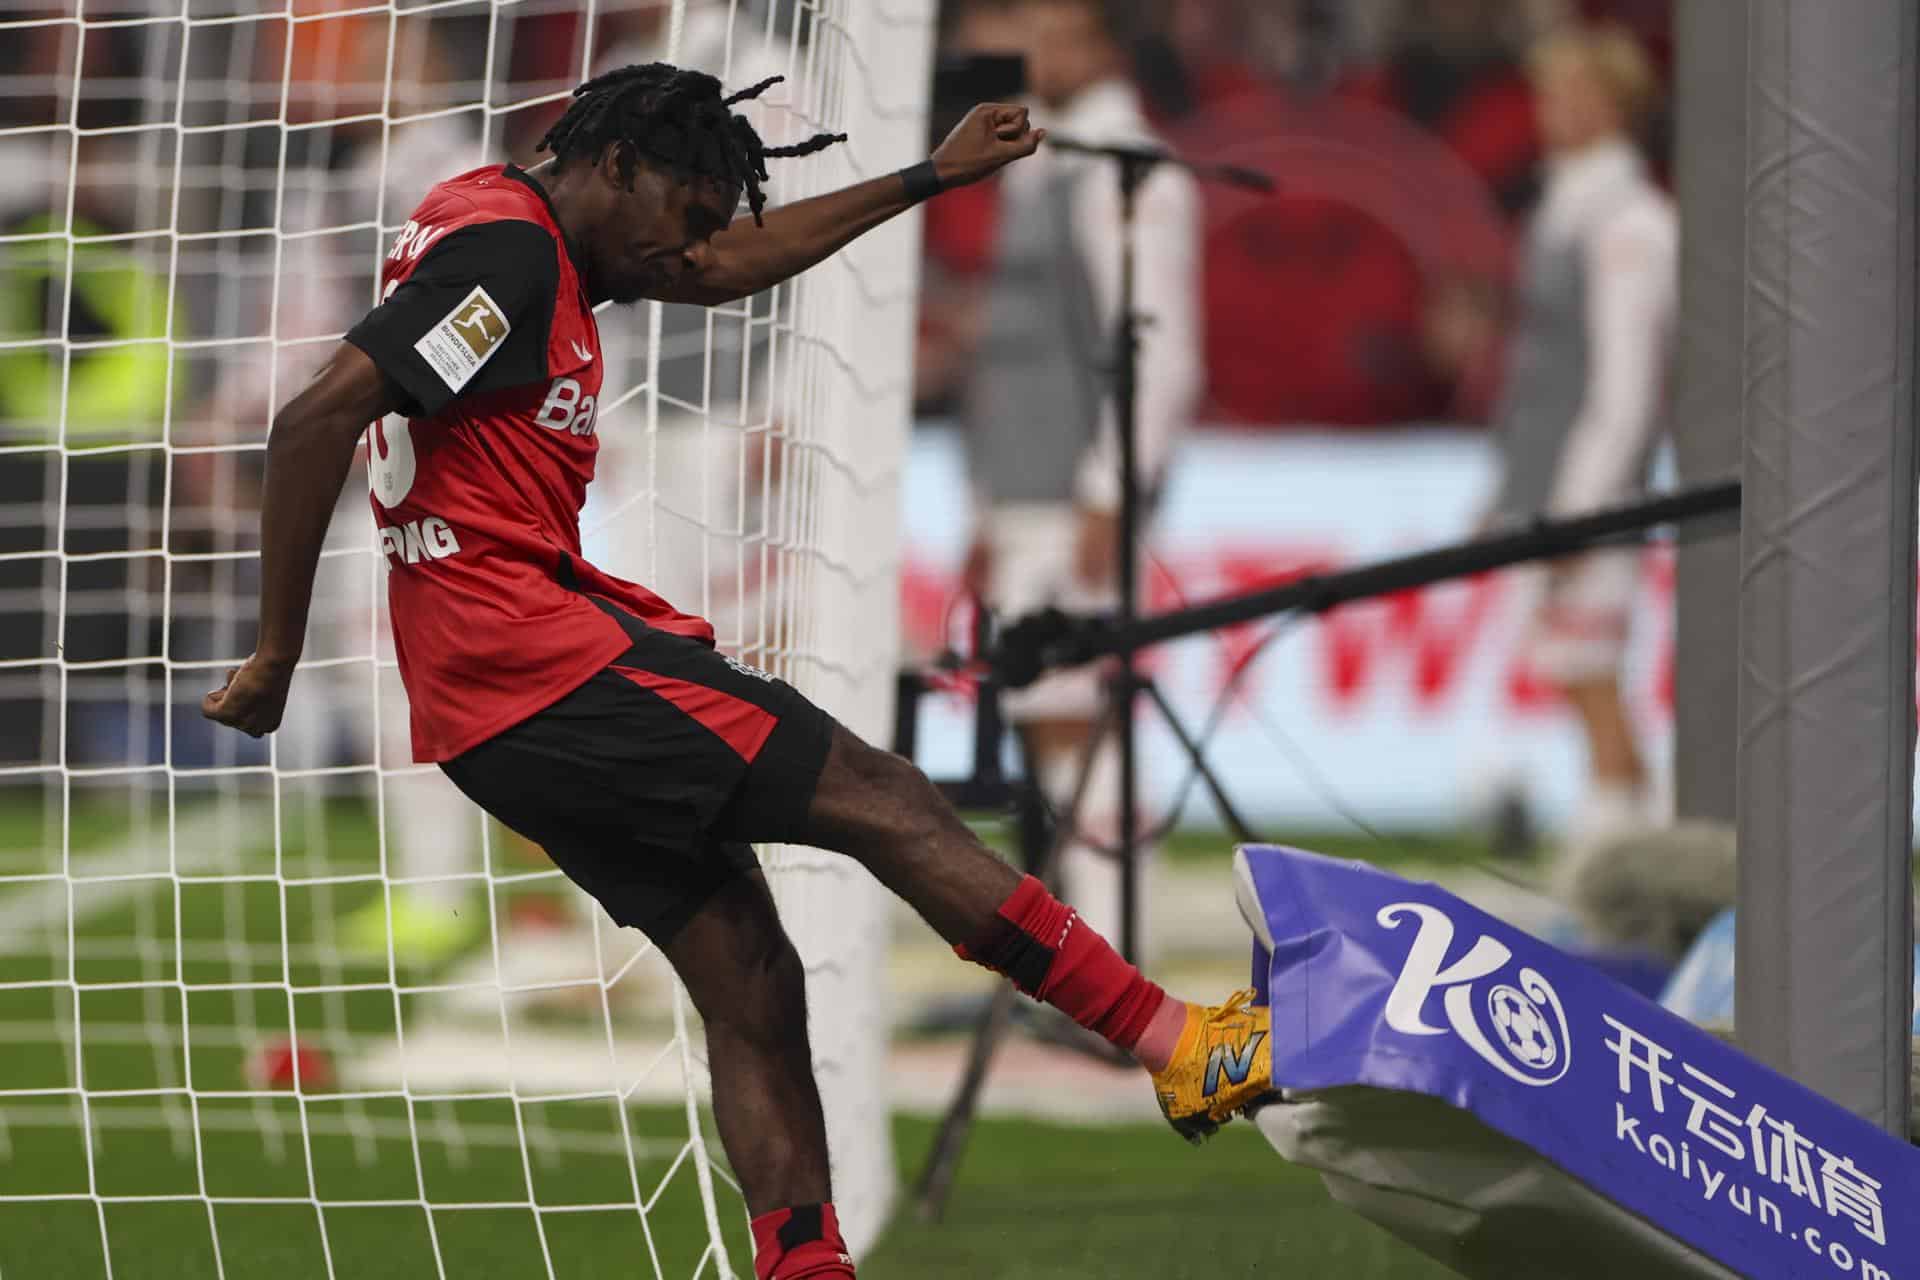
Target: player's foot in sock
(801,1243)
(1222,1064)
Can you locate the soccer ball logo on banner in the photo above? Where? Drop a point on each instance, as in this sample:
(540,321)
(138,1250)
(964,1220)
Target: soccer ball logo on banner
(1522,1028)
(1529,1041)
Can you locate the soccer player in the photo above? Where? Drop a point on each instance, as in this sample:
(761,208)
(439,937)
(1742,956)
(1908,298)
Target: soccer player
(586,712)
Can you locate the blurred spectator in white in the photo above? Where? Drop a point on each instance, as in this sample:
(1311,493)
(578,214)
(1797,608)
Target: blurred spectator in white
(1037,404)
(1584,392)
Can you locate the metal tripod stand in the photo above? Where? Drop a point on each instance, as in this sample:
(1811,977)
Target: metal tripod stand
(1125,683)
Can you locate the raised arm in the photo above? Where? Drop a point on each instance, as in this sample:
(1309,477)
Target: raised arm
(746,258)
(309,451)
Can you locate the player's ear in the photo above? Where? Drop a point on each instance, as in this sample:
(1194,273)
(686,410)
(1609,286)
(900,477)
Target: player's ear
(617,164)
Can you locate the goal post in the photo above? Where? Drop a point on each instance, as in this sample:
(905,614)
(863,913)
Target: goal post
(851,404)
(299,1003)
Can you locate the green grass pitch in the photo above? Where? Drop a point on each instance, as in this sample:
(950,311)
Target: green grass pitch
(152,977)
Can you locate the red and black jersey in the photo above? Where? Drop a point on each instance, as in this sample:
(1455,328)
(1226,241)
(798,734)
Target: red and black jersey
(487,332)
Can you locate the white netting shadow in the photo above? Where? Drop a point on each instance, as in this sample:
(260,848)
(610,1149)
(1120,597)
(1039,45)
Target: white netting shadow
(301,1007)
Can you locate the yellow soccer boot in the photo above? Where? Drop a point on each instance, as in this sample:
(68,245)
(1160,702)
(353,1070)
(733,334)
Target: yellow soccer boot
(1222,1064)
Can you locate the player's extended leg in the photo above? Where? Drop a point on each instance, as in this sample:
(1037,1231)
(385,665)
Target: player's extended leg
(1207,1062)
(746,980)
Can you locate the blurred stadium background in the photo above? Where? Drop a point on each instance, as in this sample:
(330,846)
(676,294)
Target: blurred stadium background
(242,1032)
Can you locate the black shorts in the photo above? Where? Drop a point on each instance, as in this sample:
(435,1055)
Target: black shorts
(647,783)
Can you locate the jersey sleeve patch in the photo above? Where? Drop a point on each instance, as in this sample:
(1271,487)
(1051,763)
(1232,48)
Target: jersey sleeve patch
(472,316)
(465,338)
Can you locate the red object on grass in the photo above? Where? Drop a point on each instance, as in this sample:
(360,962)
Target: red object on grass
(537,913)
(280,1064)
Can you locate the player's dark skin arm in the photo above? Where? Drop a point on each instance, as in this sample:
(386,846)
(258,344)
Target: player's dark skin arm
(745,258)
(309,451)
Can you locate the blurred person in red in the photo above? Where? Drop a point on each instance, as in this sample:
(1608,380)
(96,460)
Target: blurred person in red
(1315,298)
(1583,398)
(1036,403)
(1453,67)
(1227,50)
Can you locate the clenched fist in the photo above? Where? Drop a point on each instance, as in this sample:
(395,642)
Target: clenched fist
(253,698)
(994,134)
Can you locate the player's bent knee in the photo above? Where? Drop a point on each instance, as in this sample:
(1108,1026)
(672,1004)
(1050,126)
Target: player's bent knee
(738,965)
(772,1006)
(758,980)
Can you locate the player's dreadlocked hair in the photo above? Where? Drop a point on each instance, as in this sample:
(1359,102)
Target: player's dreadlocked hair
(676,118)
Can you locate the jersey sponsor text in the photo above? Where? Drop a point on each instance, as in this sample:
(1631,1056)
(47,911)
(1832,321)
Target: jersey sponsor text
(567,408)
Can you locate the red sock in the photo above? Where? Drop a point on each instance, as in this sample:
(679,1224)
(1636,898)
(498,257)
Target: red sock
(803,1241)
(1049,952)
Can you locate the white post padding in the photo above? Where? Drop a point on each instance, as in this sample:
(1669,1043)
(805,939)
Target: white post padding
(848,413)
(1826,697)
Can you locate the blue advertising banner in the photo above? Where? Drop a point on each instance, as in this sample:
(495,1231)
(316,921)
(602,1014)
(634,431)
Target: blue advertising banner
(1385,982)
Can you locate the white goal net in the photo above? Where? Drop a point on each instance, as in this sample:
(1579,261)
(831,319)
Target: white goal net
(295,1007)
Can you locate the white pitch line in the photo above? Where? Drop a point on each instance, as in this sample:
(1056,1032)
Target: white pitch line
(45,901)
(1030,1080)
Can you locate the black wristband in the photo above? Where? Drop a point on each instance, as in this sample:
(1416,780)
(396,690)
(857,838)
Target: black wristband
(921,181)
